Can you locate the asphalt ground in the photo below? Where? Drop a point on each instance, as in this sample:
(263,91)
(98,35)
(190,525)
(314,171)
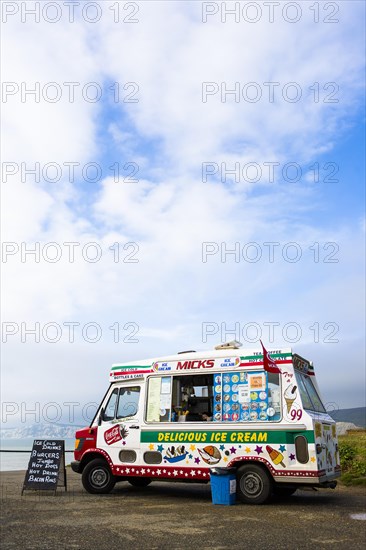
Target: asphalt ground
(176,516)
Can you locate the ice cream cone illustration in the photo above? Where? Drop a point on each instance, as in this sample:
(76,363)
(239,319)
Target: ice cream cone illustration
(210,454)
(290,396)
(275,456)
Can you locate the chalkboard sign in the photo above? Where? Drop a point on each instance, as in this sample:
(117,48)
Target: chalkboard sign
(46,469)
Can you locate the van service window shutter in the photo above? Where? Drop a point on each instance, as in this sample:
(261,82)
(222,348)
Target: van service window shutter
(153,400)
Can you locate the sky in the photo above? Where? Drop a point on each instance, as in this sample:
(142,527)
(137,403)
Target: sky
(176,175)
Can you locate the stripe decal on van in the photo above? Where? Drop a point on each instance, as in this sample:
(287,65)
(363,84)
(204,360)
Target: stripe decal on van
(221,436)
(132,367)
(257,360)
(130,371)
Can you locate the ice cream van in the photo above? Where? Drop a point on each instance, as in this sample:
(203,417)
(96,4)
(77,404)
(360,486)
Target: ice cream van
(174,418)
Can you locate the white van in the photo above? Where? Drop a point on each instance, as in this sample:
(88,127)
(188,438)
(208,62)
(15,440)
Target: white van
(174,418)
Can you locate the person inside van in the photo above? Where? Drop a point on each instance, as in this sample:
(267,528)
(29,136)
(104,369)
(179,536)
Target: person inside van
(205,416)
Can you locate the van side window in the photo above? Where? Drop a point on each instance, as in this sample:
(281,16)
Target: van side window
(192,398)
(180,398)
(123,402)
(128,402)
(110,408)
(309,396)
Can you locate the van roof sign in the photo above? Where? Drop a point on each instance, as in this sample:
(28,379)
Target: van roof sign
(198,361)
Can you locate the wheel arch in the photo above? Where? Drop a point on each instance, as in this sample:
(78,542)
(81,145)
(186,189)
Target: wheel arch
(92,455)
(243,460)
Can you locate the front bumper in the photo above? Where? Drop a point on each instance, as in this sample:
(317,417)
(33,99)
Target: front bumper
(75,466)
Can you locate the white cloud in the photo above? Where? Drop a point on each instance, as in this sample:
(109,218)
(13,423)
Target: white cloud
(171,60)
(40,129)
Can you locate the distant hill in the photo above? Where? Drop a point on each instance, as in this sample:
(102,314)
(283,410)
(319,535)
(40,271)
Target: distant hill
(54,431)
(345,427)
(356,416)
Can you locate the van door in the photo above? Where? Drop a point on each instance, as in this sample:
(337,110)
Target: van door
(119,431)
(326,446)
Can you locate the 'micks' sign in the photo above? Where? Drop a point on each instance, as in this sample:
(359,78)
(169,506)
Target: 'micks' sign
(46,468)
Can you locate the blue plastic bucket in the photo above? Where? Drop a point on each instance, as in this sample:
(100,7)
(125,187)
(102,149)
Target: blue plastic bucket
(223,485)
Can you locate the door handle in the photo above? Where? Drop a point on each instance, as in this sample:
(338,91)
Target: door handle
(134,427)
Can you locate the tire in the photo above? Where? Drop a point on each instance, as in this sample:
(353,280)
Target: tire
(254,484)
(284,492)
(139,481)
(97,477)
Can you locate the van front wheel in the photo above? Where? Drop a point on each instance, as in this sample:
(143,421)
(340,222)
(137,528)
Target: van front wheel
(97,477)
(254,484)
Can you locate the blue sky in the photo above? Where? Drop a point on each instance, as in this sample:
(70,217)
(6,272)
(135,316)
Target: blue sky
(349,195)
(170,293)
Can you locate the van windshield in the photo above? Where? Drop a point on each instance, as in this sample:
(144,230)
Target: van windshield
(309,396)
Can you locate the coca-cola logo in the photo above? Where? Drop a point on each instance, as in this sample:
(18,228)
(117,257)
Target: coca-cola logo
(112,435)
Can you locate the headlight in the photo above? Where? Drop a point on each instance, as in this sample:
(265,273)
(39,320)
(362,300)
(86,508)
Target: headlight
(79,444)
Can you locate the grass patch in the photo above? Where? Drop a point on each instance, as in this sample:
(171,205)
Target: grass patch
(352,448)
